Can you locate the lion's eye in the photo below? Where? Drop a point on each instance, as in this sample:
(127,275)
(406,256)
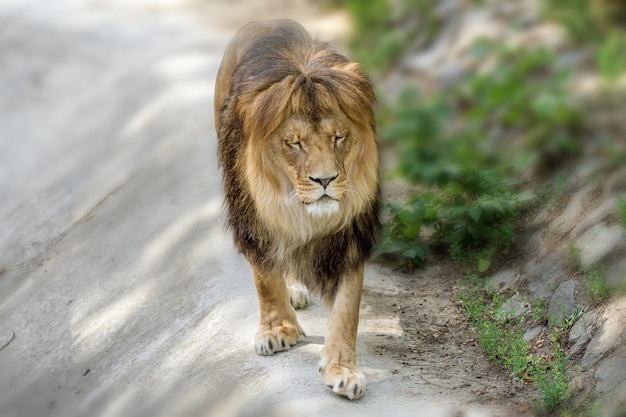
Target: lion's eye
(339,139)
(295,145)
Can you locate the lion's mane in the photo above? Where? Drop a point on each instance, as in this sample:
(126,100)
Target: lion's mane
(281,73)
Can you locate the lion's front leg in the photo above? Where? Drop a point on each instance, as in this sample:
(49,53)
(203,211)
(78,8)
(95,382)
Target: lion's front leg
(279,328)
(338,362)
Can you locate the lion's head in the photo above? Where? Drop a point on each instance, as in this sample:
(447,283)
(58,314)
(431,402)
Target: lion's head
(310,158)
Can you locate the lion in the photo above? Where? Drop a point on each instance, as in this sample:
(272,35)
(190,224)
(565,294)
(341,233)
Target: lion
(299,159)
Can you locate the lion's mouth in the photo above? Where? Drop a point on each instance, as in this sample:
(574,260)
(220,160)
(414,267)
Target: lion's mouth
(323,206)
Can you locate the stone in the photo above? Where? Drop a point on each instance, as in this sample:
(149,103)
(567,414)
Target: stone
(541,290)
(611,335)
(512,308)
(563,303)
(542,277)
(534,243)
(585,170)
(503,280)
(533,333)
(551,36)
(570,217)
(577,384)
(611,373)
(541,217)
(616,276)
(616,183)
(600,241)
(582,331)
(594,217)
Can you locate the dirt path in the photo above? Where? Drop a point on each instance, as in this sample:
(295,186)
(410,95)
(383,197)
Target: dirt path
(436,345)
(120,292)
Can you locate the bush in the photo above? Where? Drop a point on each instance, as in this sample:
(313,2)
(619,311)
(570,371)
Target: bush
(469,197)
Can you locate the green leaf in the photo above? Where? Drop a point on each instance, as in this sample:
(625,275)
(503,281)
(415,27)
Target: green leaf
(412,231)
(483,264)
(474,213)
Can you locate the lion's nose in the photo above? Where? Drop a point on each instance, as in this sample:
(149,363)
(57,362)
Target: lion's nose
(323,181)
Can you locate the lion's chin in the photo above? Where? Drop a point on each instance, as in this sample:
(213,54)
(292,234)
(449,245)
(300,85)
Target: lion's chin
(323,207)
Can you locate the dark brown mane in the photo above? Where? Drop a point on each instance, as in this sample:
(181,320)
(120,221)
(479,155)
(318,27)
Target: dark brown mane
(287,73)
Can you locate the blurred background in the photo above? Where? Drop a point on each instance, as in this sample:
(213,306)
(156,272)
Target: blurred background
(502,125)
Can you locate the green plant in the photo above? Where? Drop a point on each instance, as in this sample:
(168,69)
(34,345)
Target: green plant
(595,282)
(573,256)
(471,197)
(502,341)
(586,20)
(610,57)
(597,23)
(524,97)
(539,310)
(551,379)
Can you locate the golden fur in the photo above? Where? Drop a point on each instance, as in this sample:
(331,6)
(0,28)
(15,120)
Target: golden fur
(299,157)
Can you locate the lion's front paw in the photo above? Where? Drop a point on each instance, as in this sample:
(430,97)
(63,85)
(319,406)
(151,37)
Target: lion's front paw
(276,339)
(298,296)
(347,382)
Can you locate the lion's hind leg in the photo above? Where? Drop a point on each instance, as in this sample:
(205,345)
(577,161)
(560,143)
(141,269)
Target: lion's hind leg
(279,328)
(298,293)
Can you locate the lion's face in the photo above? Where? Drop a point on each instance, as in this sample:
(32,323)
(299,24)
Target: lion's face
(310,176)
(314,158)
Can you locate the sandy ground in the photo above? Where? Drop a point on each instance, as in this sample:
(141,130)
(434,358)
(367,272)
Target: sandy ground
(120,291)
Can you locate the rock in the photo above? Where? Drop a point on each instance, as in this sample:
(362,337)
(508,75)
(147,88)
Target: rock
(542,277)
(582,331)
(570,217)
(616,276)
(611,374)
(551,36)
(585,170)
(611,335)
(533,333)
(616,183)
(503,280)
(576,384)
(512,308)
(600,241)
(563,303)
(534,243)
(596,216)
(541,217)
(448,8)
